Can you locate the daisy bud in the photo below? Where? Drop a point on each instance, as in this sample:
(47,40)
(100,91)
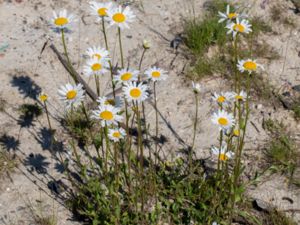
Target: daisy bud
(146,44)
(196,87)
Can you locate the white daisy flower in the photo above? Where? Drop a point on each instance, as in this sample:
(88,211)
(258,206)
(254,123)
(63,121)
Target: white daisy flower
(196,87)
(98,53)
(242,96)
(95,66)
(100,9)
(43,97)
(120,17)
(222,153)
(116,134)
(248,65)
(116,102)
(223,119)
(135,92)
(227,15)
(107,114)
(239,27)
(62,20)
(156,74)
(223,98)
(71,95)
(125,75)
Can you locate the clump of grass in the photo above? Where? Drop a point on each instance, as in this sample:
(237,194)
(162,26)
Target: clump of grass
(275,217)
(281,151)
(8,163)
(39,214)
(30,110)
(200,35)
(296,110)
(208,67)
(79,126)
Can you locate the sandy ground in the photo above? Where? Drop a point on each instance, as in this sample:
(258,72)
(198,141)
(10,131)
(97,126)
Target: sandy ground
(25,71)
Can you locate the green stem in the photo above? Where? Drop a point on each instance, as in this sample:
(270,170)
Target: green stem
(97,84)
(140,145)
(110,64)
(67,55)
(121,47)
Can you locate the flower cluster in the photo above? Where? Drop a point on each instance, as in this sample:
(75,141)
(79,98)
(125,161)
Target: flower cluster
(230,104)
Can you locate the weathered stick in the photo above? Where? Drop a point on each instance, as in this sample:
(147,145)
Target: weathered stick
(72,71)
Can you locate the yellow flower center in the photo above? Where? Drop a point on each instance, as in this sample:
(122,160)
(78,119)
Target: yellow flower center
(232,15)
(223,157)
(126,76)
(156,74)
(117,134)
(98,56)
(221,99)
(71,94)
(102,12)
(96,67)
(239,27)
(135,92)
(250,65)
(106,115)
(236,132)
(119,17)
(43,97)
(223,121)
(239,97)
(61,21)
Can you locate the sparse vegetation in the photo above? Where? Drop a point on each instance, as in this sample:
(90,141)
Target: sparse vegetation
(41,214)
(281,151)
(8,162)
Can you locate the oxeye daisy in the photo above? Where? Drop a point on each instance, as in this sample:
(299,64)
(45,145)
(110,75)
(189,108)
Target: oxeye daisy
(222,153)
(107,114)
(116,134)
(223,119)
(239,27)
(43,97)
(116,102)
(120,17)
(62,20)
(242,96)
(227,15)
(100,9)
(95,66)
(248,65)
(135,92)
(223,98)
(71,95)
(125,75)
(156,74)
(98,53)
(196,87)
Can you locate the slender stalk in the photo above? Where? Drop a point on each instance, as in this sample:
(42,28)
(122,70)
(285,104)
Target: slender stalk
(110,64)
(121,47)
(97,84)
(141,60)
(191,150)
(66,54)
(196,120)
(140,146)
